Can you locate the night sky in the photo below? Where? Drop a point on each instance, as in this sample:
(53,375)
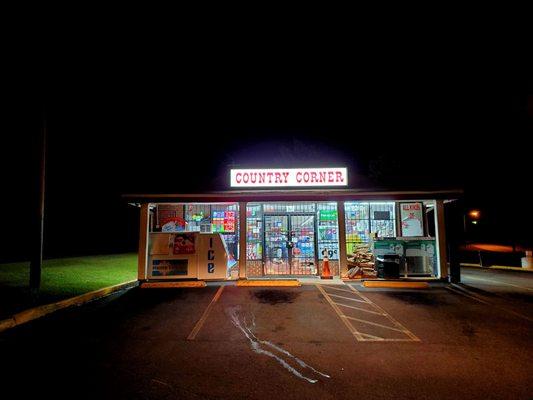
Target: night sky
(118,129)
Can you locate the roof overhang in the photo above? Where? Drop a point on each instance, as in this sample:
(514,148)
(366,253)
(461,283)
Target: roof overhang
(232,196)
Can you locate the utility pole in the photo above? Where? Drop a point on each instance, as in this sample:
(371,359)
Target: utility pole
(36,260)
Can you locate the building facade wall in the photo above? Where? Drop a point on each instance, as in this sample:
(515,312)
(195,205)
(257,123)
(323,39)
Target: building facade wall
(339,265)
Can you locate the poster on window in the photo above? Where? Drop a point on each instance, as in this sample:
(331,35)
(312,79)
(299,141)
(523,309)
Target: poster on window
(254,251)
(184,243)
(332,250)
(327,215)
(169,267)
(223,221)
(169,218)
(412,219)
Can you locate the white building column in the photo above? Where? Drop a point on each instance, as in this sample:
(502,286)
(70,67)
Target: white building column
(343,257)
(242,240)
(527,261)
(440,233)
(143,242)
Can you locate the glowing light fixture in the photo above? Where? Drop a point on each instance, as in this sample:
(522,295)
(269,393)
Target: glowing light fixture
(474,214)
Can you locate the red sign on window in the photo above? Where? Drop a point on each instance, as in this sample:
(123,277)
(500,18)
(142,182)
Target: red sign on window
(184,243)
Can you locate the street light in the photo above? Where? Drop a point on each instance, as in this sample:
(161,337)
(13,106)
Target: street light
(474,218)
(474,214)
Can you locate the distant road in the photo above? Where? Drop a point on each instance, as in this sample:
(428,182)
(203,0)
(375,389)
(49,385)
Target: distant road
(497,248)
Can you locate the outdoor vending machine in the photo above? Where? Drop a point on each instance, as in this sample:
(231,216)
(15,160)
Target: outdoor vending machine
(187,255)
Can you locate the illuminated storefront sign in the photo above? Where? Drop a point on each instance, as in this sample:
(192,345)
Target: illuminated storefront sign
(282,177)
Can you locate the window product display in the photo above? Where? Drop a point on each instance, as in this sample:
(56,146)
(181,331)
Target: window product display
(254,232)
(364,219)
(205,218)
(223,221)
(170,218)
(418,256)
(292,238)
(328,231)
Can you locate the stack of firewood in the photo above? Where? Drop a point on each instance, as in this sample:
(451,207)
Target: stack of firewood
(361,262)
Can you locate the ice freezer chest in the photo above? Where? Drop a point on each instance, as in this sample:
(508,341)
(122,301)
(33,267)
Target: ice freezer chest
(186,255)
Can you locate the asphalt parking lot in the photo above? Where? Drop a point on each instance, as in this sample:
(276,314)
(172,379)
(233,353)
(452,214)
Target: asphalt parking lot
(468,341)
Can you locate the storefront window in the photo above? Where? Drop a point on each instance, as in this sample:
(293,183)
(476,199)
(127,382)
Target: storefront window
(371,232)
(197,217)
(220,218)
(299,207)
(364,218)
(225,220)
(254,232)
(328,231)
(382,219)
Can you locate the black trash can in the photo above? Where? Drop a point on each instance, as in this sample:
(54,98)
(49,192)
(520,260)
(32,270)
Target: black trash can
(388,266)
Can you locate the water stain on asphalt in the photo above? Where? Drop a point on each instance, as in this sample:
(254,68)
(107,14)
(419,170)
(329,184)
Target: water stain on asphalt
(273,297)
(469,331)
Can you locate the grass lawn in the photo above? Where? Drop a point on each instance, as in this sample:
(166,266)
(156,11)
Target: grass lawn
(62,278)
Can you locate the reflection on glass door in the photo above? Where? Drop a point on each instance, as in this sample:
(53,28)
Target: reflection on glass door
(302,255)
(277,245)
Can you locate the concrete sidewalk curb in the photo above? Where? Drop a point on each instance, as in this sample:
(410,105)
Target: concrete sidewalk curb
(396,284)
(40,311)
(500,267)
(265,283)
(172,285)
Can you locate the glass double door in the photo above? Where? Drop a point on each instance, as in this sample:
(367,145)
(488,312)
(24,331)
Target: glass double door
(290,245)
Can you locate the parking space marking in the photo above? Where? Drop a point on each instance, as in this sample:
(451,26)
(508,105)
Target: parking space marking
(348,320)
(386,315)
(201,321)
(346,298)
(360,309)
(342,290)
(498,282)
(470,296)
(350,327)
(369,336)
(474,296)
(373,323)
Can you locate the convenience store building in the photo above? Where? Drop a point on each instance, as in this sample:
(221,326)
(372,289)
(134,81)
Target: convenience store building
(282,222)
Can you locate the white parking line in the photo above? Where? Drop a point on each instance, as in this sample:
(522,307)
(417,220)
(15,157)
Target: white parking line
(360,309)
(346,298)
(373,323)
(350,327)
(362,336)
(201,321)
(386,315)
(342,290)
(496,281)
(466,293)
(369,336)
